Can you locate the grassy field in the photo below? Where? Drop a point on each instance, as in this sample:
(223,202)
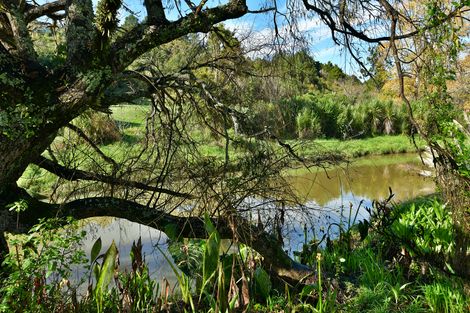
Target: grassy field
(360,147)
(131,120)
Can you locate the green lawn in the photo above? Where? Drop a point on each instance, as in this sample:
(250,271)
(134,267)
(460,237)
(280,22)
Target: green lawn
(360,147)
(132,120)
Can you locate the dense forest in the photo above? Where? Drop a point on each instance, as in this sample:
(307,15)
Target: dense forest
(177,122)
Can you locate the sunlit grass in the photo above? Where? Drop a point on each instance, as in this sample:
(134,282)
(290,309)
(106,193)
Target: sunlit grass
(360,147)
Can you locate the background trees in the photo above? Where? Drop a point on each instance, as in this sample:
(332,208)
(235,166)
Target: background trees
(423,40)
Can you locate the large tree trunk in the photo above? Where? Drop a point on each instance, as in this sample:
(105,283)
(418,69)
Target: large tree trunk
(16,154)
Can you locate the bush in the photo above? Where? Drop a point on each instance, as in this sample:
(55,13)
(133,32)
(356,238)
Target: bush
(99,127)
(39,267)
(308,125)
(426,229)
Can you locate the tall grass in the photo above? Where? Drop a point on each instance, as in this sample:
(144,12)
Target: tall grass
(331,115)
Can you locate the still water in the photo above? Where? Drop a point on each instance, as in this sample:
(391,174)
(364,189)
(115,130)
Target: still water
(330,195)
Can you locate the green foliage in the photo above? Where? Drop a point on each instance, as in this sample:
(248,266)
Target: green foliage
(331,115)
(263,282)
(213,273)
(40,265)
(106,18)
(130,22)
(457,141)
(98,127)
(187,255)
(49,44)
(444,298)
(426,229)
(141,291)
(23,118)
(103,274)
(210,259)
(375,275)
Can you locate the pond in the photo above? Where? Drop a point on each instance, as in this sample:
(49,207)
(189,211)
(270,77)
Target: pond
(330,196)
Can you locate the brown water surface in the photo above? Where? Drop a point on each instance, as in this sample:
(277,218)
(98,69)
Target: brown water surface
(366,178)
(327,195)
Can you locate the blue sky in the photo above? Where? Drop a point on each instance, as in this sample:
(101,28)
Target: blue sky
(255,28)
(259,27)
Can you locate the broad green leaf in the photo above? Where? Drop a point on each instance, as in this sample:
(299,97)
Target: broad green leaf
(96,271)
(210,228)
(171,231)
(107,269)
(263,283)
(95,250)
(307,290)
(211,256)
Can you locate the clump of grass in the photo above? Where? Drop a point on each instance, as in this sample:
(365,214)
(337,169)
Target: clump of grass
(100,128)
(442,296)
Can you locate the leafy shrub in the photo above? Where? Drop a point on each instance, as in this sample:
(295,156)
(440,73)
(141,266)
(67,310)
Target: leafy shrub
(40,265)
(308,125)
(329,115)
(426,229)
(99,127)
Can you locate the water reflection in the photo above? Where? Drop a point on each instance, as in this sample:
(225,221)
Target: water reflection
(368,180)
(124,233)
(327,197)
(342,196)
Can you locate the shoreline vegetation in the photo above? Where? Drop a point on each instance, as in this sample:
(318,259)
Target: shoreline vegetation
(364,270)
(374,266)
(122,131)
(131,122)
(196,129)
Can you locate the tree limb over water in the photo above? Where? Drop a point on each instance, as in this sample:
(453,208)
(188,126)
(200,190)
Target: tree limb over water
(275,258)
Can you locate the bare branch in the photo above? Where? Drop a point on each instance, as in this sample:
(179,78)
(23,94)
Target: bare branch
(344,27)
(262,10)
(76,174)
(80,133)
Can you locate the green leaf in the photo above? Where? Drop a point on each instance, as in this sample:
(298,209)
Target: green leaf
(211,256)
(95,250)
(208,224)
(171,231)
(263,283)
(307,290)
(107,269)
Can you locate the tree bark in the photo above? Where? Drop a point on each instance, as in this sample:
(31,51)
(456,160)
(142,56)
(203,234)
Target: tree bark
(17,154)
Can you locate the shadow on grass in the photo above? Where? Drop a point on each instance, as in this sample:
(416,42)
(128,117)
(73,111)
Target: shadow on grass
(125,125)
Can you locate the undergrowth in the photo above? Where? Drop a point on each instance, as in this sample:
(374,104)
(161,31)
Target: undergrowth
(394,262)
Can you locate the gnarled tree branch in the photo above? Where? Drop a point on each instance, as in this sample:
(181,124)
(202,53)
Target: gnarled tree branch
(155,12)
(145,37)
(275,258)
(76,174)
(48,9)
(80,33)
